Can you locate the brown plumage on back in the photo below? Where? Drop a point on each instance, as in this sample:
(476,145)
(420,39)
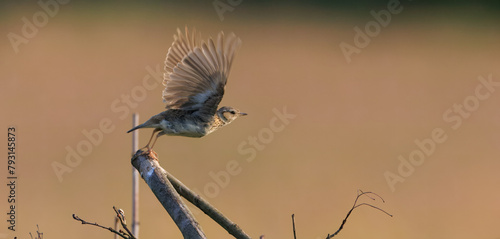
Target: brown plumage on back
(195,78)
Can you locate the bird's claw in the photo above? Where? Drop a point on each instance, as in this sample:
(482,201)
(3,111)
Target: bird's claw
(153,155)
(149,152)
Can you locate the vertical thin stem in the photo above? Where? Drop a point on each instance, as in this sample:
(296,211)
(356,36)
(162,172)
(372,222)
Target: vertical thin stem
(117,225)
(135,179)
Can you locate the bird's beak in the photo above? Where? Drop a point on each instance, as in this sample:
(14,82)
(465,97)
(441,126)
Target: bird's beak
(243,114)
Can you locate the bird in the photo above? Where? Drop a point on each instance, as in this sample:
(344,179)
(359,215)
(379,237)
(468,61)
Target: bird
(195,77)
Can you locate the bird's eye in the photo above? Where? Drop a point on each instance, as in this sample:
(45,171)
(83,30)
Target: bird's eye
(232,112)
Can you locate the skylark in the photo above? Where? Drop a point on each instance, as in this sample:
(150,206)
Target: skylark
(195,78)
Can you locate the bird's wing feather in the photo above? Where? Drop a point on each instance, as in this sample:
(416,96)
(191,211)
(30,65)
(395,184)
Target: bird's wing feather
(196,72)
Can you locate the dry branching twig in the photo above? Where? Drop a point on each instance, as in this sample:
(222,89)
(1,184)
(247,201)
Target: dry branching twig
(360,193)
(39,235)
(121,216)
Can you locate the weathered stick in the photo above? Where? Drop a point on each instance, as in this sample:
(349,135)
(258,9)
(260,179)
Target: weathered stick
(156,178)
(231,227)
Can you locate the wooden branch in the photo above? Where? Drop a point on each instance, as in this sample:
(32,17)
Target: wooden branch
(156,178)
(231,227)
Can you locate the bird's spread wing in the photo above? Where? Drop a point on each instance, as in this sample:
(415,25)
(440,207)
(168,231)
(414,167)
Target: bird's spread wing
(196,72)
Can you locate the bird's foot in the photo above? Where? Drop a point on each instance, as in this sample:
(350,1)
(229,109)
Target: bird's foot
(149,152)
(153,154)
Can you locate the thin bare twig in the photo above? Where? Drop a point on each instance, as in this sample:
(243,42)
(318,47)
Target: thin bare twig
(355,205)
(293,224)
(121,217)
(39,235)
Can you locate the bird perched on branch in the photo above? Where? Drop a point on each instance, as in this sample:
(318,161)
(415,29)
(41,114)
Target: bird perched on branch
(195,78)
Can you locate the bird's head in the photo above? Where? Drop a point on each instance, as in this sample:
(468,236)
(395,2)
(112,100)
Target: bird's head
(229,114)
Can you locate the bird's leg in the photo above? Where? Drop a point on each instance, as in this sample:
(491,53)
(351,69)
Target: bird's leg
(150,151)
(154,142)
(150,148)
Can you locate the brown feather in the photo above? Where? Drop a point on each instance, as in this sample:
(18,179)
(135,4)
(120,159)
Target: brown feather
(196,72)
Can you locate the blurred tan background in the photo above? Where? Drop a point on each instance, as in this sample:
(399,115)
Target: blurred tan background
(353,120)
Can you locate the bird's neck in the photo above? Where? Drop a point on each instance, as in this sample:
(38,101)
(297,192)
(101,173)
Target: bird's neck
(216,123)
